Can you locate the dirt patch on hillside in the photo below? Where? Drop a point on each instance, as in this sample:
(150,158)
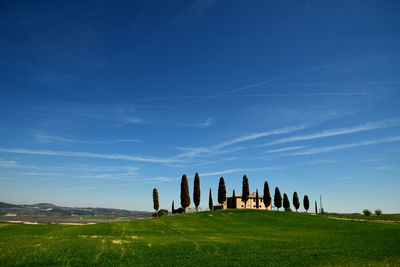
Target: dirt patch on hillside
(22,222)
(120,242)
(76,223)
(68,220)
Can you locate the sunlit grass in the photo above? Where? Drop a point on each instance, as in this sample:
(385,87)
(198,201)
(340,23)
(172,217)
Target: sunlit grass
(219,238)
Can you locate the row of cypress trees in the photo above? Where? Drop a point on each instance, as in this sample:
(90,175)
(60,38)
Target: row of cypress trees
(185,197)
(286,204)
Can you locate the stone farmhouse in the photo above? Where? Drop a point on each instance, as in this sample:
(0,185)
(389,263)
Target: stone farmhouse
(237,203)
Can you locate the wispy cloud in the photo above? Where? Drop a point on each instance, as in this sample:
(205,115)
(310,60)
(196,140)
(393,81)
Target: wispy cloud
(285,149)
(123,176)
(130,120)
(161,179)
(340,131)
(212,152)
(93,169)
(221,172)
(347,177)
(14,164)
(374,160)
(140,180)
(207,123)
(200,150)
(194,11)
(87,172)
(386,167)
(321,161)
(243,170)
(8,163)
(127,141)
(203,124)
(71,189)
(47,138)
(271,168)
(120,115)
(87,155)
(200,163)
(345,146)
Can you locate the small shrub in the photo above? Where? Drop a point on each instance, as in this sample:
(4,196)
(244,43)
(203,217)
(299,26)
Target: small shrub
(288,209)
(367,212)
(378,212)
(161,213)
(180,210)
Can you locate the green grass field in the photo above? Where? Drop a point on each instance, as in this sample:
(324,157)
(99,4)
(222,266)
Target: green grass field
(219,238)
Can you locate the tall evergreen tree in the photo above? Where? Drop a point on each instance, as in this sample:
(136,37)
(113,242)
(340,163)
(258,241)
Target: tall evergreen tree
(267,195)
(156,204)
(173,207)
(277,198)
(221,191)
(210,201)
(196,191)
(185,197)
(245,190)
(316,208)
(257,201)
(286,203)
(233,199)
(296,201)
(306,203)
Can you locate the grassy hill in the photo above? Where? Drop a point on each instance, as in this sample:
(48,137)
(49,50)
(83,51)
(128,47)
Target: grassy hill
(219,238)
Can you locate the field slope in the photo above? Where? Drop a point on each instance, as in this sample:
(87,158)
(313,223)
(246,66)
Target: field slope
(219,238)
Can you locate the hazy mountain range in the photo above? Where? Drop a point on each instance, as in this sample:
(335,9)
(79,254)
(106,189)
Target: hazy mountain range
(49,209)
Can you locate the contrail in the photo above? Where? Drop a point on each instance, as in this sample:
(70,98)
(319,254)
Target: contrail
(274,79)
(324,66)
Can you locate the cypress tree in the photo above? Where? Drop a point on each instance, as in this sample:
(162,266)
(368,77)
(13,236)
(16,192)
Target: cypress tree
(221,191)
(156,205)
(210,201)
(296,201)
(185,197)
(257,201)
(306,203)
(234,199)
(316,208)
(286,203)
(267,195)
(196,191)
(173,207)
(245,190)
(277,198)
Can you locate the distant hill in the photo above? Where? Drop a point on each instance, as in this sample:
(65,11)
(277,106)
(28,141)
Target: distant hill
(53,210)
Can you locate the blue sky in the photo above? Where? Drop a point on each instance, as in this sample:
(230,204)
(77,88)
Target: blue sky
(101,102)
